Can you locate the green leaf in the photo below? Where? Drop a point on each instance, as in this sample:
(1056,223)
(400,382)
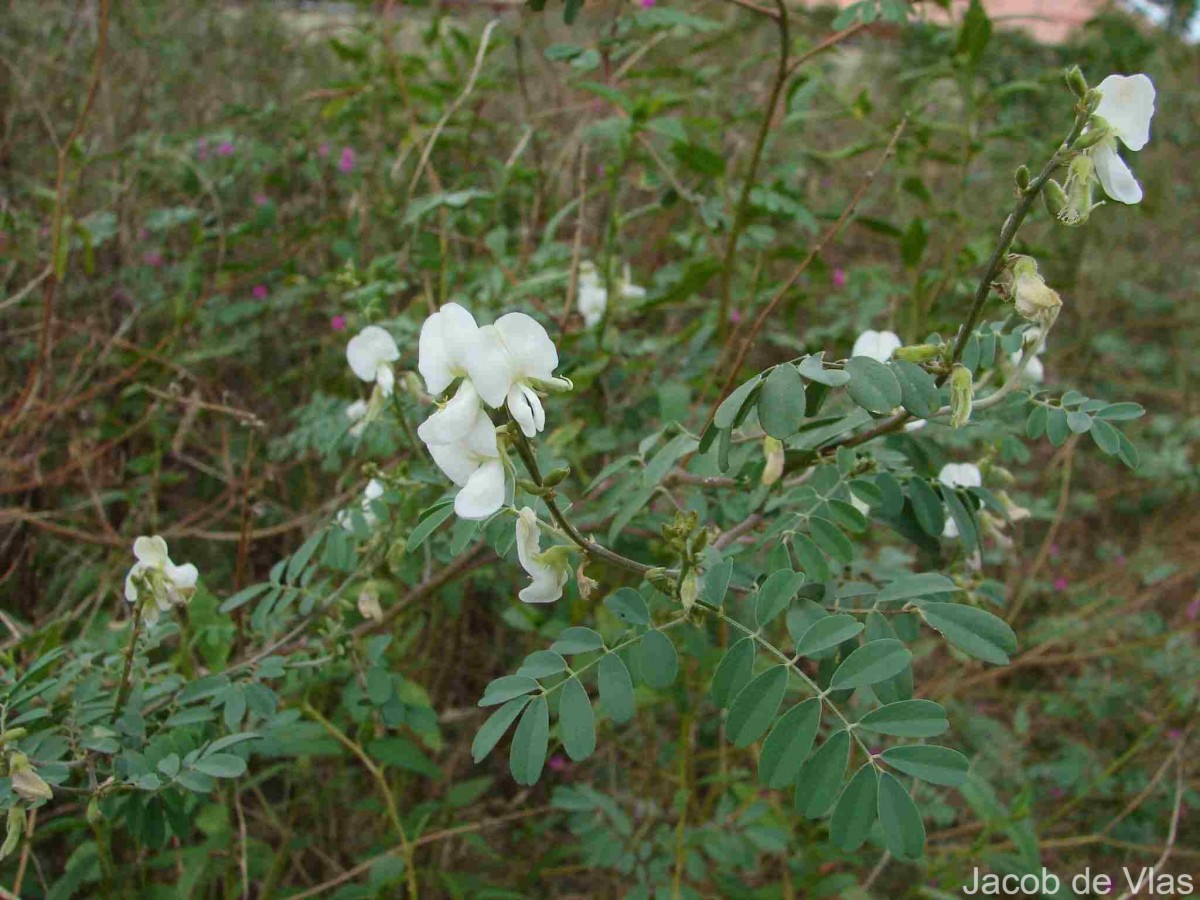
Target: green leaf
(908,718)
(221,765)
(872,662)
(576,720)
(811,560)
(1035,425)
(576,639)
(542,663)
(679,446)
(755,706)
(872,385)
(493,729)
(379,686)
(616,688)
(975,33)
(781,402)
(937,765)
(244,596)
(733,672)
(1078,421)
(776,594)
(527,754)
(1106,437)
(903,830)
(1121,412)
(974,631)
(629,606)
(820,778)
(921,584)
(716,582)
(813,368)
(918,390)
(1056,426)
(788,744)
(401,753)
(828,632)
(927,507)
(727,412)
(1128,453)
(968,533)
(913,241)
(659,661)
(505,688)
(429,525)
(831,540)
(856,809)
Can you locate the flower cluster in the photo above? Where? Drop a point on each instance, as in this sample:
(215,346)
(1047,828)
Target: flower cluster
(155,581)
(371,353)
(505,365)
(592,297)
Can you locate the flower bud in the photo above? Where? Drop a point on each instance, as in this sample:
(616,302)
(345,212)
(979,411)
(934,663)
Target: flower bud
(1022,177)
(95,815)
(961,396)
(660,579)
(13,734)
(1097,130)
(1092,99)
(1054,197)
(773,451)
(1033,298)
(918,353)
(689,590)
(16,827)
(556,476)
(1076,82)
(368,605)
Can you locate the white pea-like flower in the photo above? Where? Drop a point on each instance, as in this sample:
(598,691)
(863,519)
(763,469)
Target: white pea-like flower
(629,290)
(876,345)
(156,581)
(1127,106)
(356,412)
(956,475)
(511,358)
(373,491)
(371,353)
(1035,369)
(445,346)
(473,463)
(591,297)
(548,570)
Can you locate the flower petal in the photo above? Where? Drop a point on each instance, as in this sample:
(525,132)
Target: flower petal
(544,589)
(131,591)
(490,367)
(1127,104)
(483,494)
(878,345)
(961,475)
(368,349)
(151,551)
(386,379)
(528,540)
(455,461)
(1116,179)
(356,410)
(526,409)
(184,576)
(445,346)
(455,420)
(532,352)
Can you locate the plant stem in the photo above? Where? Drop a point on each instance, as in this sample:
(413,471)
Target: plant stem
(123,689)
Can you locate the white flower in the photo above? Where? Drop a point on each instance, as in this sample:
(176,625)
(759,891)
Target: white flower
(1127,105)
(371,353)
(1035,370)
(155,580)
(548,570)
(473,463)
(509,359)
(446,344)
(592,298)
(956,475)
(356,412)
(455,419)
(629,290)
(373,491)
(878,345)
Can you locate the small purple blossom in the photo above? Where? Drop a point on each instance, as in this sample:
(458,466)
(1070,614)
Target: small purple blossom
(338,323)
(346,161)
(261,199)
(735,316)
(225,148)
(323,149)
(143,234)
(1193,609)
(1121,560)
(153,259)
(259,292)
(1055,550)
(558,763)
(1057,793)
(648,4)
(839,278)
(1174,735)
(1061,584)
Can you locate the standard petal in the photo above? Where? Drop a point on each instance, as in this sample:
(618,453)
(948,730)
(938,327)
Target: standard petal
(528,539)
(483,494)
(385,377)
(528,345)
(878,345)
(1127,104)
(445,346)
(544,589)
(131,591)
(593,300)
(490,367)
(1116,179)
(455,420)
(455,460)
(183,577)
(961,475)
(369,349)
(151,551)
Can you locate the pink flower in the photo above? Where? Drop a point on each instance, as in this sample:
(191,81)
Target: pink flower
(839,278)
(338,323)
(1193,609)
(1174,735)
(202,149)
(225,149)
(735,317)
(323,150)
(346,162)
(558,763)
(1056,792)
(153,259)
(143,234)
(1121,560)
(647,4)
(259,292)
(1061,584)
(261,199)
(1055,550)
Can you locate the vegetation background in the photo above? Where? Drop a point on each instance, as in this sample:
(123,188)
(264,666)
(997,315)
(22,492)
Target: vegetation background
(192,227)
